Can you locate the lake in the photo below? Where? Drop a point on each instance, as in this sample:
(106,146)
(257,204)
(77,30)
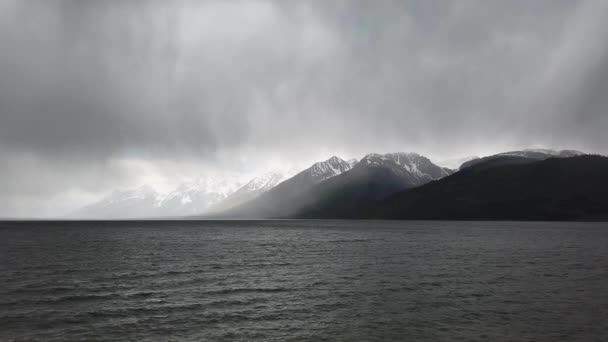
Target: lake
(303,281)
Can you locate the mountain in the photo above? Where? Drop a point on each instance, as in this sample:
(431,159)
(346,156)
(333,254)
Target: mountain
(418,166)
(523,156)
(284,198)
(194,197)
(249,191)
(122,204)
(374,177)
(321,171)
(527,184)
(412,168)
(571,188)
(187,199)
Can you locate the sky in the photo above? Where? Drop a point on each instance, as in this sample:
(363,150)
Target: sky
(104,95)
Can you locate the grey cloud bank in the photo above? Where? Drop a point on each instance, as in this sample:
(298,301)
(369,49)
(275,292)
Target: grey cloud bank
(99,95)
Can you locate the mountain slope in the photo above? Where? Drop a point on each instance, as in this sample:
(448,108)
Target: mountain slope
(374,178)
(192,198)
(552,189)
(249,191)
(286,197)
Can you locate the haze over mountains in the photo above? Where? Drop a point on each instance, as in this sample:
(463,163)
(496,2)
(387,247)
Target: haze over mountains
(374,187)
(192,198)
(455,163)
(202,196)
(188,198)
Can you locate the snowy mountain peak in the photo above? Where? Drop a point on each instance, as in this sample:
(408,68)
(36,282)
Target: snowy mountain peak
(334,160)
(250,191)
(263,182)
(188,198)
(372,159)
(408,155)
(331,167)
(414,164)
(401,158)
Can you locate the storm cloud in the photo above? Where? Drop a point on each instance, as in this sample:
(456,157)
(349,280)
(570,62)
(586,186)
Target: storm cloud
(99,95)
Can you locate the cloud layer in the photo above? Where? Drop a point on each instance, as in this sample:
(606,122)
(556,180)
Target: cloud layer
(96,95)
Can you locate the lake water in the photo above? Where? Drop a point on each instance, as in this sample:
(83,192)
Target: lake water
(303,281)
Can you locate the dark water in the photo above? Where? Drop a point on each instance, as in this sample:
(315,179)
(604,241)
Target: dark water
(304,281)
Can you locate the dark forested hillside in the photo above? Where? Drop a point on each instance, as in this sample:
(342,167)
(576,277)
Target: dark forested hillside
(554,189)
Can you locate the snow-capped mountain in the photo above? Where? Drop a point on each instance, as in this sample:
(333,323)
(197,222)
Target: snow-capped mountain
(333,183)
(189,198)
(332,167)
(283,193)
(250,190)
(195,197)
(315,174)
(262,183)
(373,179)
(352,162)
(418,169)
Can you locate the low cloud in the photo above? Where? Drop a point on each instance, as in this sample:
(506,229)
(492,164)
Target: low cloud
(96,96)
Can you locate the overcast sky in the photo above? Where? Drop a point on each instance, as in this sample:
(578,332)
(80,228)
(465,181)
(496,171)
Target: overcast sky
(103,95)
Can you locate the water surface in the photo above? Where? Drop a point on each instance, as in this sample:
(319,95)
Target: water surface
(303,281)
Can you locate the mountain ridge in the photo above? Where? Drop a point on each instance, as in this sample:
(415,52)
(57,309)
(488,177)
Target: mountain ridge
(372,178)
(568,188)
(530,154)
(332,188)
(538,190)
(280,197)
(251,190)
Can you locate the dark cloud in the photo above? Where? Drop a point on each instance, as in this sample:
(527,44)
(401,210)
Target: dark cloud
(90,88)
